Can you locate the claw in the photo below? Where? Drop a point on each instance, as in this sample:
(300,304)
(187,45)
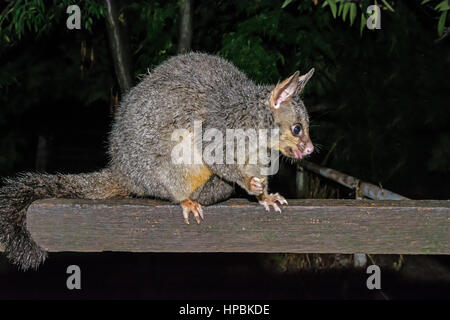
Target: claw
(194,207)
(200,211)
(186,215)
(277,208)
(271,200)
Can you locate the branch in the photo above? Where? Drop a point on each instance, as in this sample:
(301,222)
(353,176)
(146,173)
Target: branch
(119,45)
(185,34)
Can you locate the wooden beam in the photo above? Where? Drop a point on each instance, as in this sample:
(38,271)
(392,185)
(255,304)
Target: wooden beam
(237,225)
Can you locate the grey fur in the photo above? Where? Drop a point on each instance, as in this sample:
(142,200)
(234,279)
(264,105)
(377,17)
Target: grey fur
(18,193)
(187,87)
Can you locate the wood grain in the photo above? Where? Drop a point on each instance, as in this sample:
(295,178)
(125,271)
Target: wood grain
(237,225)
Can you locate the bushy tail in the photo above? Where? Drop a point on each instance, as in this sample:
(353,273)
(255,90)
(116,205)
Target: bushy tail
(18,193)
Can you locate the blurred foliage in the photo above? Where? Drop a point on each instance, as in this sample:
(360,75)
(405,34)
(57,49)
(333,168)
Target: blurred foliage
(354,8)
(38,16)
(44,64)
(154,32)
(383,94)
(441,7)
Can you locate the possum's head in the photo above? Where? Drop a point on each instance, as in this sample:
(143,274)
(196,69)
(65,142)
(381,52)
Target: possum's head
(291,117)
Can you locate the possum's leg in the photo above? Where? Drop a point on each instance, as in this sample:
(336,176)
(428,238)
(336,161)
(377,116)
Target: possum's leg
(271,200)
(258,187)
(249,177)
(181,184)
(213,191)
(189,206)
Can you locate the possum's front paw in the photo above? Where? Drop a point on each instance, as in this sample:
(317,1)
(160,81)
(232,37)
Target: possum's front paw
(194,207)
(271,200)
(256,186)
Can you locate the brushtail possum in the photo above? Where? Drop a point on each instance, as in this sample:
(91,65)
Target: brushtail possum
(185,88)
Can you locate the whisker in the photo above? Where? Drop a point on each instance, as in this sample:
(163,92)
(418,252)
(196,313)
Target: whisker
(318,147)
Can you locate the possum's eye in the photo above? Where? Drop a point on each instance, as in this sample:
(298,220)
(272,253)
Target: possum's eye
(296,129)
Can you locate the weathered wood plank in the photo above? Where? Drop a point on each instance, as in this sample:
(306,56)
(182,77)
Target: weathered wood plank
(305,226)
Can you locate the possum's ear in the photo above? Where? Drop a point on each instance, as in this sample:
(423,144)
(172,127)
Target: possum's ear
(302,80)
(284,91)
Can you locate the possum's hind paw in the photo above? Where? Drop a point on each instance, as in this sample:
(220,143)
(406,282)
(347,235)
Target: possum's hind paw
(271,200)
(194,207)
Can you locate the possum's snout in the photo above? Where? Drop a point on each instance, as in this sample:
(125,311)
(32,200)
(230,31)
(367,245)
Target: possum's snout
(306,148)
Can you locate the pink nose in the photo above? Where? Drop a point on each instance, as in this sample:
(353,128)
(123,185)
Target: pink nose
(309,148)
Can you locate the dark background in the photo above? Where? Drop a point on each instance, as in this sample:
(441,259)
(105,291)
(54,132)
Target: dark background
(379,105)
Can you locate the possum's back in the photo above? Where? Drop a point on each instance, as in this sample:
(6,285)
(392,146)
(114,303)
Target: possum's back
(183,88)
(199,70)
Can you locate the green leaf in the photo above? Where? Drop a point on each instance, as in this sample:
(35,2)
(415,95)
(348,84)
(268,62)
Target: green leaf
(441,23)
(442,6)
(333,7)
(352,13)
(425,1)
(346,8)
(388,5)
(363,23)
(341,6)
(286,3)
